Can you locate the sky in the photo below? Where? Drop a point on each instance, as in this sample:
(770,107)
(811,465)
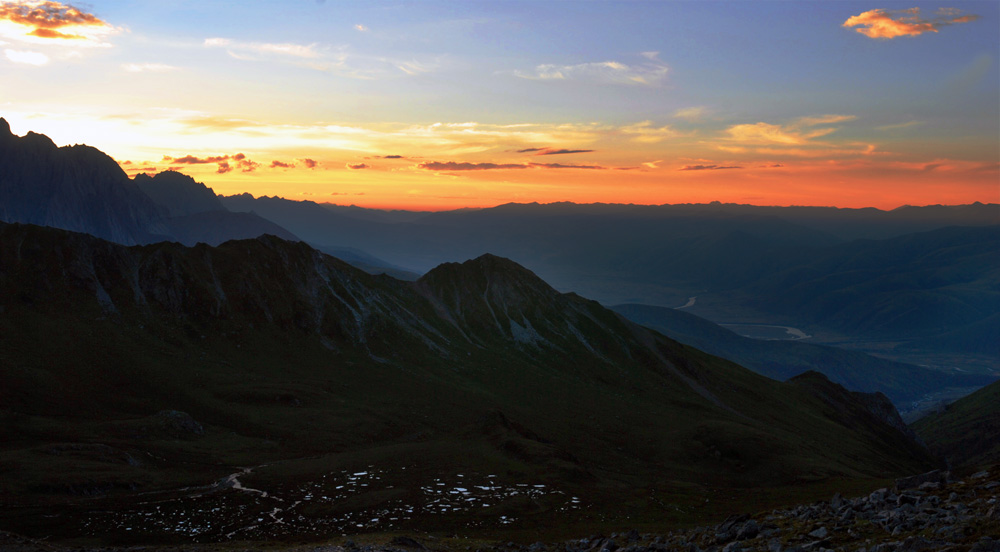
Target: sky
(442,105)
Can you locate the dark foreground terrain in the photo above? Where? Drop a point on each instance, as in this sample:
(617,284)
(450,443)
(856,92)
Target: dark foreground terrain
(931,512)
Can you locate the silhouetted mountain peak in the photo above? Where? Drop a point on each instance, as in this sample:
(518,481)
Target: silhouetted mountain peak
(5,129)
(179,193)
(491,278)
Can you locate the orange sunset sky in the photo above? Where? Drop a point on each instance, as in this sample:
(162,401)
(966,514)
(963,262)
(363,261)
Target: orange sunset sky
(441,105)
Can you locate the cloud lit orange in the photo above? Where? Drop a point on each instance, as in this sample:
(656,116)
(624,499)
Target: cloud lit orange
(888,24)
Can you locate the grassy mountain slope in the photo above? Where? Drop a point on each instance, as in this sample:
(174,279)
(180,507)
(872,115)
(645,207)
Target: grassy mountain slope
(966,432)
(146,369)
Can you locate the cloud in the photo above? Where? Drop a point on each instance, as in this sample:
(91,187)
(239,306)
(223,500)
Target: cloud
(193,160)
(46,21)
(282,165)
(646,133)
(898,126)
(707,167)
(357,166)
(653,71)
(147,67)
(455,166)
(690,113)
(309,163)
(239,160)
(888,24)
(551,151)
(360,27)
(791,135)
(26,58)
(246,50)
(652,164)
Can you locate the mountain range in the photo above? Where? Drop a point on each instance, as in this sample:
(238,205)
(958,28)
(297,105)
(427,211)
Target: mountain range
(158,367)
(180,367)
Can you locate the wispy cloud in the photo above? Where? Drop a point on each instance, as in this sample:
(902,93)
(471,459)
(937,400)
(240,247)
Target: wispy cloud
(246,50)
(649,72)
(26,58)
(357,166)
(898,126)
(690,113)
(799,132)
(553,151)
(360,27)
(708,167)
(282,165)
(46,21)
(457,166)
(147,67)
(888,24)
(646,133)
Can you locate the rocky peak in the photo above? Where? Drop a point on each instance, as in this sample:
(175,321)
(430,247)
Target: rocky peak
(180,194)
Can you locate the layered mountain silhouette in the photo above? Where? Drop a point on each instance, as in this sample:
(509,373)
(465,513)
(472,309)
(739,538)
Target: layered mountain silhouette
(273,352)
(80,188)
(781,360)
(921,279)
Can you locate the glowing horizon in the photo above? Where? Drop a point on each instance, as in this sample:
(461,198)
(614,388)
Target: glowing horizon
(444,105)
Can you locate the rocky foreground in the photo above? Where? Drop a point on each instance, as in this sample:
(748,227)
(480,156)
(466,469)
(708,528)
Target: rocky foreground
(929,512)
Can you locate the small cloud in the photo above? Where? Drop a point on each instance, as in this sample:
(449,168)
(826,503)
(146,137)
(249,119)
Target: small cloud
(282,165)
(147,68)
(530,150)
(898,126)
(27,58)
(653,71)
(707,167)
(888,24)
(562,166)
(239,160)
(562,151)
(357,166)
(309,163)
(690,113)
(360,27)
(454,166)
(824,120)
(193,160)
(646,133)
(245,50)
(765,133)
(389,157)
(48,21)
(652,164)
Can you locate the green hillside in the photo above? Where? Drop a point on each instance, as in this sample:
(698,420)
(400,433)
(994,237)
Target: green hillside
(966,432)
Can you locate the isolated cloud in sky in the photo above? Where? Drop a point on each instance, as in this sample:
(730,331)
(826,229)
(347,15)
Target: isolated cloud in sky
(357,166)
(708,167)
(456,166)
(282,165)
(651,71)
(888,24)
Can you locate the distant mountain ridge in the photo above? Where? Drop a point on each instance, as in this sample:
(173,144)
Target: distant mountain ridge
(781,360)
(80,188)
